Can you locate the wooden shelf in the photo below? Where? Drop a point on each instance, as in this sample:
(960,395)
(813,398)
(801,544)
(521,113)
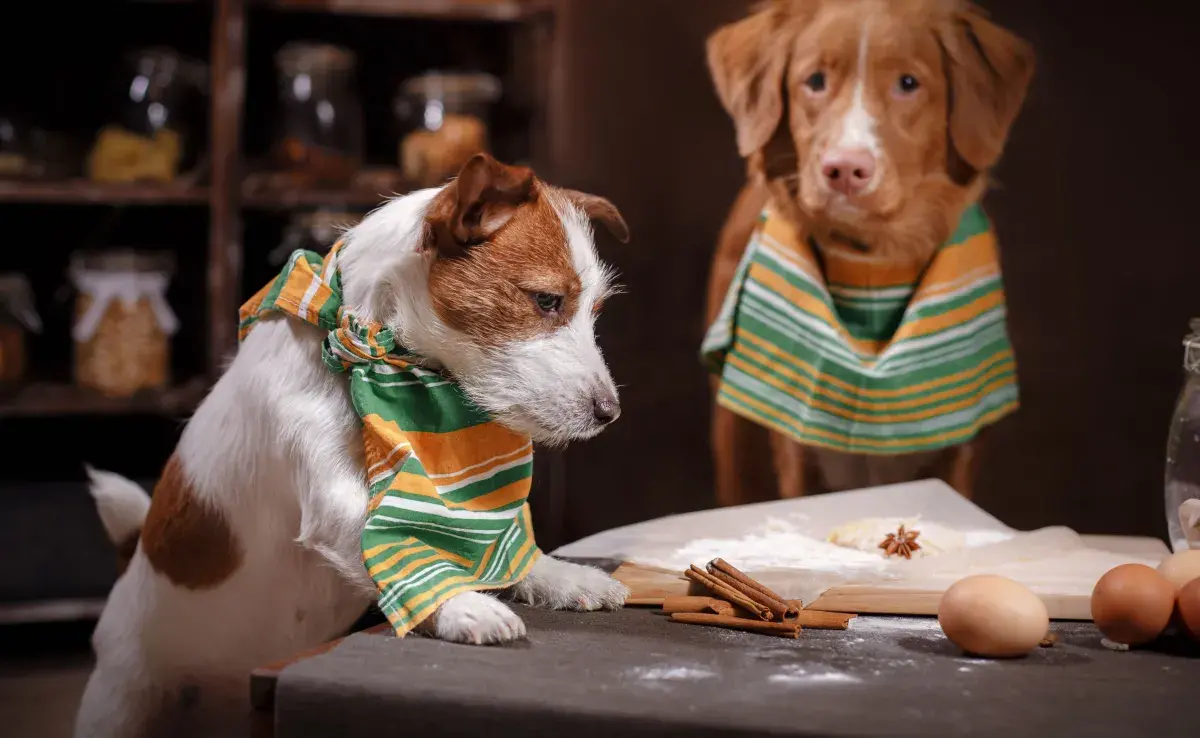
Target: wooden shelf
(45,399)
(288,199)
(84,192)
(477,10)
(267,190)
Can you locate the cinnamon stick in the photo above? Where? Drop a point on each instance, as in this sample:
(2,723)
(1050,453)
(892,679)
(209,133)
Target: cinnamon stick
(684,603)
(753,590)
(785,630)
(644,602)
(727,593)
(820,619)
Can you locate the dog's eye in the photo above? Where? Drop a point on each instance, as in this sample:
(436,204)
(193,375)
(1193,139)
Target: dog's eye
(548,303)
(907,84)
(815,82)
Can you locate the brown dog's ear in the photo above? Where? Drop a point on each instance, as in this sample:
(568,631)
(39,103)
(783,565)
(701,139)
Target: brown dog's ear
(599,208)
(484,196)
(747,61)
(989,70)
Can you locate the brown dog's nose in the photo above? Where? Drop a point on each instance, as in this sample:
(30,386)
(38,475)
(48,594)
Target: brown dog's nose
(849,171)
(605,407)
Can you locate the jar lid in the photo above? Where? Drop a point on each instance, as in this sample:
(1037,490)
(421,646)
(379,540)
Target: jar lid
(16,299)
(1191,343)
(472,86)
(299,57)
(162,64)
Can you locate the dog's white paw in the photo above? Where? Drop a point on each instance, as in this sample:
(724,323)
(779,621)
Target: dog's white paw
(561,585)
(476,618)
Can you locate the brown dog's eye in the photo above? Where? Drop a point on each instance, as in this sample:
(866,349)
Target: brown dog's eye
(907,84)
(815,82)
(548,303)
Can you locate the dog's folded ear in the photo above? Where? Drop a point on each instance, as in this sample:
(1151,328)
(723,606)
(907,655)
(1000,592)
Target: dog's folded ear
(989,71)
(484,197)
(599,208)
(748,61)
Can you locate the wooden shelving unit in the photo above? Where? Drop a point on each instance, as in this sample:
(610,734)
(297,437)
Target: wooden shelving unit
(84,192)
(43,399)
(229,191)
(473,10)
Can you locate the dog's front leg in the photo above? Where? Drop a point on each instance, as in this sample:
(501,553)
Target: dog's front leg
(560,585)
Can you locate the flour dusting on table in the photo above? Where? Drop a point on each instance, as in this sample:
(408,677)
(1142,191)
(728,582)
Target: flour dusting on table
(670,673)
(799,675)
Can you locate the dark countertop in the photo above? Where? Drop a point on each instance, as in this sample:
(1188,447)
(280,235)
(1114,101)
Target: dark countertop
(633,673)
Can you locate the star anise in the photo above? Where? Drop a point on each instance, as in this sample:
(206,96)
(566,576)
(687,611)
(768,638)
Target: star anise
(902,543)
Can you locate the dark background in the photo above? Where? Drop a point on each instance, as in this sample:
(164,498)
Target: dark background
(1092,207)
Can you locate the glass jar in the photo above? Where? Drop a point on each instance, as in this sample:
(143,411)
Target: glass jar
(320,127)
(1183,452)
(317,230)
(445,121)
(18,316)
(123,322)
(152,132)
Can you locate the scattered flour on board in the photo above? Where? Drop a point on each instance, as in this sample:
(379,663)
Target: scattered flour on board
(880,624)
(779,543)
(670,673)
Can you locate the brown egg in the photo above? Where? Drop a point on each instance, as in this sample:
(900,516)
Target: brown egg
(1181,568)
(1132,604)
(989,615)
(1188,607)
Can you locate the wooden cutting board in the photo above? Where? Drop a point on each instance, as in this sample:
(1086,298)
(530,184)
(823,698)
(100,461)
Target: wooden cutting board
(897,599)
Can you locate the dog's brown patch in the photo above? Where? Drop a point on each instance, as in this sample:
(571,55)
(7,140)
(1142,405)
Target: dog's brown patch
(185,539)
(503,253)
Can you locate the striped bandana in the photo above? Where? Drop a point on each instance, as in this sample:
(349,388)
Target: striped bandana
(448,510)
(864,358)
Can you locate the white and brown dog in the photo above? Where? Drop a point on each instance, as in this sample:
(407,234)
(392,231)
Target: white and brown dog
(249,550)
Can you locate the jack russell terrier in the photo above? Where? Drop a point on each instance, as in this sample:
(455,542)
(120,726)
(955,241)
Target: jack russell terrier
(300,492)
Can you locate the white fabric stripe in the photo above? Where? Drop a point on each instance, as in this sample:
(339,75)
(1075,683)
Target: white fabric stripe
(442,526)
(391,471)
(447,489)
(436,510)
(421,575)
(313,285)
(500,555)
(402,446)
(409,383)
(431,526)
(482,463)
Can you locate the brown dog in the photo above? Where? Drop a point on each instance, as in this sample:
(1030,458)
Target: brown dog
(869,125)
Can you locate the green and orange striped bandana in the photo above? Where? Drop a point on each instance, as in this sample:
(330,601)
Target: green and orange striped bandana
(864,358)
(448,510)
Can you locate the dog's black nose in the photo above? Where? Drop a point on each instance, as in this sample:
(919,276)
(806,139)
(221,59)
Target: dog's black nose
(605,408)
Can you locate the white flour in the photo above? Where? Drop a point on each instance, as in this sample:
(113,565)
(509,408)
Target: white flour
(780,544)
(798,675)
(670,673)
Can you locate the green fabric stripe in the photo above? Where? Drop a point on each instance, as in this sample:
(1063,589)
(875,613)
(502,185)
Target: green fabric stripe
(489,485)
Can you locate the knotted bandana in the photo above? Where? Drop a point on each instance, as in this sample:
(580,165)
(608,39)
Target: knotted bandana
(448,510)
(864,358)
